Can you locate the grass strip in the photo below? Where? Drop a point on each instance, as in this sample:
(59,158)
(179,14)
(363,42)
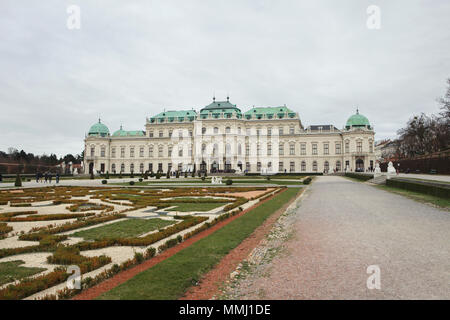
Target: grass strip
(172,277)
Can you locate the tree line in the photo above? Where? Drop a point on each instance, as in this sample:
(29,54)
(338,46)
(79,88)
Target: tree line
(15,161)
(425,134)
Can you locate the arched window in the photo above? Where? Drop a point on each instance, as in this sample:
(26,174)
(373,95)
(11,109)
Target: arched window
(160,151)
(269,149)
(215,150)
(303,166)
(216,130)
(228,150)
(122,167)
(203,148)
(227,130)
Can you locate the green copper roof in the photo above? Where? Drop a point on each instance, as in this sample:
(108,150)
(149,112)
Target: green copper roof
(269,112)
(171,116)
(220,106)
(124,133)
(357,120)
(98,129)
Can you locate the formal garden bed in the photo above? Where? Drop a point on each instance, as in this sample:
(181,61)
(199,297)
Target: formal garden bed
(87,227)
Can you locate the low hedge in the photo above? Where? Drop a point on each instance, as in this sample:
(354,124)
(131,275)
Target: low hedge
(421,187)
(307,180)
(359,176)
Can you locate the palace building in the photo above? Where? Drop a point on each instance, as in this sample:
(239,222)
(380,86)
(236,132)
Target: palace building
(222,138)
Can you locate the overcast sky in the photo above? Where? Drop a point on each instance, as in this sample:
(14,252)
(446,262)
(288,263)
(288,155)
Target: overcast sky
(131,59)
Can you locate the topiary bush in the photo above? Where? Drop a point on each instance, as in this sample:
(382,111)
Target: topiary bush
(104,181)
(229,182)
(158,175)
(18,182)
(140,180)
(307,180)
(131,183)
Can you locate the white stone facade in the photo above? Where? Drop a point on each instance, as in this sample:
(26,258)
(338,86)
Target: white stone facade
(235,142)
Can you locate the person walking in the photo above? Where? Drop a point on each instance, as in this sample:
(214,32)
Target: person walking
(57,177)
(46,177)
(37,177)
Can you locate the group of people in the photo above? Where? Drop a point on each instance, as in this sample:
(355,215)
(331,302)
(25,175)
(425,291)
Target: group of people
(46,177)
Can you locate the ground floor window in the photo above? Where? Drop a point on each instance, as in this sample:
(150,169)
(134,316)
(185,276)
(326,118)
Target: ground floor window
(132,167)
(314,165)
(122,167)
(258,166)
(150,167)
(180,167)
(113,168)
(326,166)
(338,165)
(292,166)
(280,166)
(169,167)
(160,167)
(303,166)
(247,166)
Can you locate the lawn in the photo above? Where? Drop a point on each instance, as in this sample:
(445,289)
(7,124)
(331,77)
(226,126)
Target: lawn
(11,271)
(440,202)
(172,277)
(187,207)
(123,229)
(208,182)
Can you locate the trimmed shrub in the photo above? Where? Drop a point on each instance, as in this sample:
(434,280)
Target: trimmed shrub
(359,176)
(229,182)
(107,175)
(307,180)
(140,180)
(158,175)
(177,174)
(131,183)
(421,187)
(18,182)
(104,181)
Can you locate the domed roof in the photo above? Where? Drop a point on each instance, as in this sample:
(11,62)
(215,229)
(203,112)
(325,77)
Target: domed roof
(99,129)
(357,120)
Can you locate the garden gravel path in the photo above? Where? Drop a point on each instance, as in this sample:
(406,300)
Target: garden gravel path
(341,228)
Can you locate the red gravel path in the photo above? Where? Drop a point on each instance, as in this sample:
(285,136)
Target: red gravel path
(123,276)
(210,283)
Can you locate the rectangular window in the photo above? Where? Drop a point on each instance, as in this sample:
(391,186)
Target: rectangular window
(170,133)
(303,149)
(359,146)
(169,151)
(190,151)
(150,134)
(303,166)
(160,167)
(161,133)
(141,152)
(292,166)
(131,152)
(150,167)
(180,151)
(269,132)
(113,152)
(370,146)
(258,166)
(291,130)
(102,152)
(122,152)
(314,148)
(280,131)
(150,151)
(247,166)
(269,149)
(338,148)
(247,149)
(326,148)
(347,147)
(280,167)
(92,151)
(160,151)
(281,149)
(190,133)
(292,149)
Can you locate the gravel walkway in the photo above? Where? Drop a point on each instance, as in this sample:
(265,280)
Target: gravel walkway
(340,228)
